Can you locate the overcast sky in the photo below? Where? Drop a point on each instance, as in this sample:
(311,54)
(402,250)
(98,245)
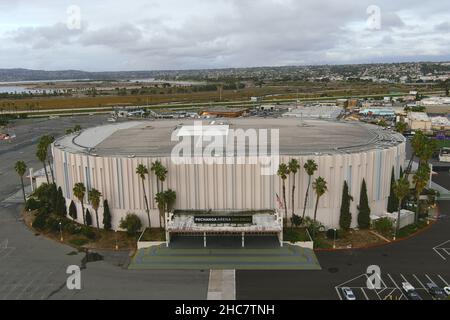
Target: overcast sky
(180,34)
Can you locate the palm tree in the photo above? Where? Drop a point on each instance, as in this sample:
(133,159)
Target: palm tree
(160,199)
(401,190)
(171,197)
(79,191)
(320,186)
(417,143)
(401,127)
(420,179)
(294,166)
(310,167)
(41,154)
(142,171)
(94,198)
(45,143)
(283,172)
(426,151)
(21,168)
(161,173)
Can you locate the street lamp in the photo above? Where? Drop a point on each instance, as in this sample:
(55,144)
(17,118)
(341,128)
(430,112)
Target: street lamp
(117,245)
(60,232)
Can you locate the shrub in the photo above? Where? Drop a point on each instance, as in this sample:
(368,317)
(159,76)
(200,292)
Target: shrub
(296,220)
(73,210)
(131,223)
(72,228)
(363,208)
(313,226)
(52,224)
(330,234)
(106,216)
(383,226)
(40,222)
(88,218)
(32,204)
(88,233)
(78,242)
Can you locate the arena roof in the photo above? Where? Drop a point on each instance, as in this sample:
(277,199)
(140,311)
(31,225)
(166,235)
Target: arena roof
(297,137)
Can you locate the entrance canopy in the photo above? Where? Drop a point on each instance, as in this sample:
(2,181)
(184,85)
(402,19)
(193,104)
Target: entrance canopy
(231,224)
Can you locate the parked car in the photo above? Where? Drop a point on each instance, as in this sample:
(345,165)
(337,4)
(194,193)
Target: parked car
(410,291)
(348,294)
(436,292)
(447,291)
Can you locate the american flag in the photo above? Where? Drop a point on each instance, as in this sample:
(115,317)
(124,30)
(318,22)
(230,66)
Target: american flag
(280,203)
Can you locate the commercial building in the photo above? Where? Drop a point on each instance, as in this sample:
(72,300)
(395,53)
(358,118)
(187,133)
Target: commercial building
(106,158)
(419,121)
(325,112)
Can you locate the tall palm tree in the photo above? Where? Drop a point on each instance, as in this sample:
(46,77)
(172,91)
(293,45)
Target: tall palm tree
(401,127)
(310,167)
(45,142)
(320,186)
(426,151)
(41,154)
(21,168)
(171,197)
(79,191)
(94,198)
(161,201)
(161,174)
(283,172)
(294,166)
(420,179)
(417,143)
(142,171)
(401,190)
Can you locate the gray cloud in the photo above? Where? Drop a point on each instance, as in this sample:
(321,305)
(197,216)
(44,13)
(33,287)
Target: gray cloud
(176,34)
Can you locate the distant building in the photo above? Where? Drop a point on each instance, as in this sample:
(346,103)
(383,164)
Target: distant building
(224,112)
(419,121)
(328,112)
(378,112)
(440,123)
(435,101)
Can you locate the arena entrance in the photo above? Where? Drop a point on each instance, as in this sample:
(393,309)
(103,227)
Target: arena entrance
(224,229)
(224,241)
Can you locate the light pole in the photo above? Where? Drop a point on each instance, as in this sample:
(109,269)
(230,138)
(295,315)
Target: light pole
(60,232)
(334,240)
(117,245)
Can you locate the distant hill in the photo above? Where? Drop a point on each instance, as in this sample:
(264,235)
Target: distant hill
(36,75)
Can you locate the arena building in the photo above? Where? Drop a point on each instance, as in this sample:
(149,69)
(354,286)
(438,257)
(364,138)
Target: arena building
(106,158)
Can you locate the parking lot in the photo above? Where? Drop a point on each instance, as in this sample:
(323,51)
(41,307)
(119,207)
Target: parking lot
(443,250)
(391,286)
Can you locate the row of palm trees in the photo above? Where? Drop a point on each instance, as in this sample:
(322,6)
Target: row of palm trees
(319,185)
(164,199)
(43,155)
(423,149)
(79,191)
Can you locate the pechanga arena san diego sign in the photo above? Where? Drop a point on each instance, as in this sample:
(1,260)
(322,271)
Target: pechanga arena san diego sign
(224,219)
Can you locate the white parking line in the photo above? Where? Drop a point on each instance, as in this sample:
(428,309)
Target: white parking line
(442,279)
(338,293)
(441,247)
(430,279)
(364,293)
(395,283)
(418,280)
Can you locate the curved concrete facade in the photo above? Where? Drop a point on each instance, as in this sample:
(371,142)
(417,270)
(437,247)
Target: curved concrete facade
(228,187)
